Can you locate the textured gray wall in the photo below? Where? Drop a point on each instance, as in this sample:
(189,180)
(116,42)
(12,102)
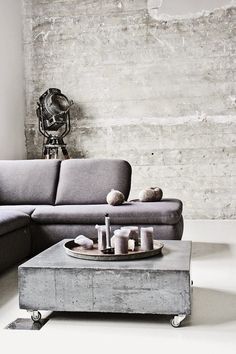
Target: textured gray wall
(159,93)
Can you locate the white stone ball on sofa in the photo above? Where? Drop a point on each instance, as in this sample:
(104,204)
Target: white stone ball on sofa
(158,193)
(152,194)
(147,195)
(115,197)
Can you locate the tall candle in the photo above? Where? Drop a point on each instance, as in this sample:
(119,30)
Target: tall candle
(146,238)
(108,231)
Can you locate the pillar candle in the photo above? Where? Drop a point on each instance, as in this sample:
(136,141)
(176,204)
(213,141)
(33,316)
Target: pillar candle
(146,238)
(101,237)
(131,245)
(121,241)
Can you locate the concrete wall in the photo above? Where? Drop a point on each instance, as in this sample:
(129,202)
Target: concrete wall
(183,8)
(159,93)
(12,139)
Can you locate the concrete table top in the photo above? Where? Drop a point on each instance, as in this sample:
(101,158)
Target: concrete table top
(175,256)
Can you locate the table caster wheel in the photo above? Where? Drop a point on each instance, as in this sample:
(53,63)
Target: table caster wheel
(174,324)
(177,320)
(36,316)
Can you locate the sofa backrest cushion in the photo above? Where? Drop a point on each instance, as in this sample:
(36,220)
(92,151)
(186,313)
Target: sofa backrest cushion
(28,181)
(88,181)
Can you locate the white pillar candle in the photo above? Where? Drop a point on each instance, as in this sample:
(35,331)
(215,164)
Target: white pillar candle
(101,237)
(146,238)
(131,245)
(121,241)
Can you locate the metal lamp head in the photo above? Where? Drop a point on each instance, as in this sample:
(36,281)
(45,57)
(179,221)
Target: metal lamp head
(53,109)
(57,103)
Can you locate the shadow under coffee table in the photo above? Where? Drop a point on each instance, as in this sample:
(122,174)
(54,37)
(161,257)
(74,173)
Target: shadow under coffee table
(54,281)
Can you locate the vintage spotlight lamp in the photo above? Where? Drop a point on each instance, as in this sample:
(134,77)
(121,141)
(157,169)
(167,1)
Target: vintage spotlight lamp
(54,116)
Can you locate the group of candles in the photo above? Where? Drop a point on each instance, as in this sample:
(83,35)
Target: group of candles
(124,239)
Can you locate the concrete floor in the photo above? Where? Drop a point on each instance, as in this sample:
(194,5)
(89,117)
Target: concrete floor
(211,328)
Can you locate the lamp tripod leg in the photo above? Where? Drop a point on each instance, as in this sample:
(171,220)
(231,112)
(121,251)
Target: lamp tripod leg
(65,153)
(46,153)
(54,154)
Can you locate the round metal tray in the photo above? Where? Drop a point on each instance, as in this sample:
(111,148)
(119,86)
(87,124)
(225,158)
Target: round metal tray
(73,250)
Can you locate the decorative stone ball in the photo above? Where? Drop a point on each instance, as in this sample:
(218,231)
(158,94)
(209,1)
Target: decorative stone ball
(115,197)
(147,195)
(158,194)
(152,194)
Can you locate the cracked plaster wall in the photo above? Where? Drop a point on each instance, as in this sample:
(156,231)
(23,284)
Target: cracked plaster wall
(157,92)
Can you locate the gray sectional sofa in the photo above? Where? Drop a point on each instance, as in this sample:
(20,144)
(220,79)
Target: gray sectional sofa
(45,201)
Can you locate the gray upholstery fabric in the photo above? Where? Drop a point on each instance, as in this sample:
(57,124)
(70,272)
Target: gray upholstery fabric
(28,181)
(14,247)
(12,220)
(168,211)
(44,236)
(88,181)
(27,209)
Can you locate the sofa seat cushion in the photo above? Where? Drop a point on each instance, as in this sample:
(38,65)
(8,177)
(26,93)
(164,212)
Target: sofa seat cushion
(12,220)
(27,209)
(168,211)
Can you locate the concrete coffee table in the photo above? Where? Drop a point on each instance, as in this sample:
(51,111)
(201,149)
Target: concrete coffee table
(55,281)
